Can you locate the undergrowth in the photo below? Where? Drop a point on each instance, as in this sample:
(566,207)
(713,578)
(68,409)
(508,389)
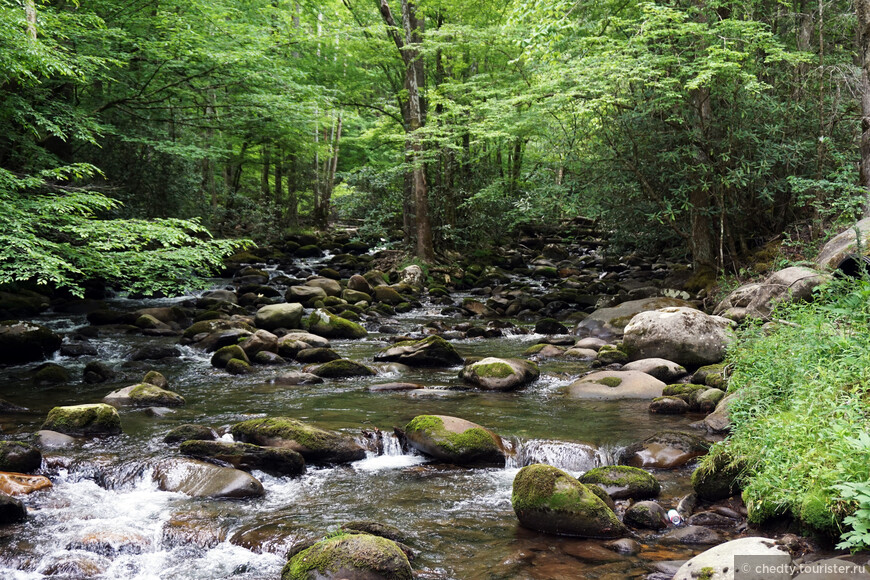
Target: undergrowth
(800,424)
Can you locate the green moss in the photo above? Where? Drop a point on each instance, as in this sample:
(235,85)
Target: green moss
(622,481)
(681,389)
(535,349)
(284,428)
(706,573)
(611,382)
(329,325)
(95,419)
(815,512)
(495,370)
(474,439)
(343,368)
(374,555)
(146,394)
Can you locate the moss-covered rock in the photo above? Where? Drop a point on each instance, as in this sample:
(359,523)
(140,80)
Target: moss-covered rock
(349,556)
(341,368)
(274,460)
(237,366)
(354,296)
(668,406)
(432,351)
(609,354)
(225,354)
(711,375)
(210,326)
(50,374)
(646,514)
(19,457)
(84,420)
(326,324)
(622,481)
(190,432)
(664,450)
(274,316)
(718,477)
(22,342)
(314,444)
(500,374)
(454,440)
(616,385)
(317,355)
(549,500)
(144,395)
(155,378)
(544,350)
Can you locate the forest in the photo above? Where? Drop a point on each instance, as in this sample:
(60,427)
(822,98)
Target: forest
(153,137)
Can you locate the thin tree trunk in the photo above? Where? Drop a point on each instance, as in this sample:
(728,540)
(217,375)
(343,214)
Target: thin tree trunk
(30,16)
(863,10)
(279,176)
(265,189)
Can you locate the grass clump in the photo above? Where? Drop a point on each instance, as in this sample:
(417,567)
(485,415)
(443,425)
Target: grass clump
(800,427)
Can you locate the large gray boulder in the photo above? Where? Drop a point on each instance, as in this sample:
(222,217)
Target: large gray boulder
(683,335)
(609,323)
(201,479)
(616,385)
(500,374)
(276,316)
(22,342)
(549,500)
(791,284)
(349,556)
(843,247)
(454,440)
(432,351)
(718,563)
(329,286)
(662,369)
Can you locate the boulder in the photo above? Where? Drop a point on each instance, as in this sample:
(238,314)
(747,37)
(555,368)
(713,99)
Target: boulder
(549,500)
(454,440)
(237,366)
(291,378)
(432,351)
(550,326)
(97,372)
(260,341)
(683,335)
(662,369)
(719,422)
(22,342)
(718,477)
(840,252)
(207,327)
(609,323)
(304,294)
(669,406)
(312,340)
(12,510)
(387,295)
(621,481)
(351,557)
(693,535)
(144,395)
(275,460)
(758,300)
(413,276)
(500,374)
(646,514)
(54,440)
(205,480)
(329,287)
(317,355)
(359,284)
(21,484)
(718,563)
(189,432)
(326,324)
(19,457)
(97,419)
(616,385)
(314,444)
(341,368)
(664,450)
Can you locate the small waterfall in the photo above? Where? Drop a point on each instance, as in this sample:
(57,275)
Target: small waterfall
(561,454)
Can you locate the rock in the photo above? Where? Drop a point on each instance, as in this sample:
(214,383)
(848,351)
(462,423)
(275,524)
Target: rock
(711,519)
(412,276)
(669,406)
(19,457)
(268,358)
(105,316)
(646,514)
(296,378)
(834,569)
(706,400)
(274,460)
(684,335)
(692,535)
(377,529)
(22,342)
(358,283)
(260,341)
(12,510)
(550,326)
(156,379)
(393,387)
(312,340)
(97,419)
(608,323)
(50,374)
(350,557)
(841,250)
(609,354)
(549,500)
(201,479)
(758,301)
(155,352)
(326,324)
(718,422)
(590,342)
(621,481)
(314,444)
(21,484)
(539,351)
(97,372)
(237,366)
(144,395)
(54,440)
(662,369)
(500,374)
(387,295)
(354,296)
(304,294)
(189,432)
(317,355)
(110,544)
(77,349)
(710,375)
(8,408)
(216,297)
(341,368)
(718,562)
(432,351)
(478,308)
(718,477)
(581,354)
(225,354)
(454,440)
(625,546)
(616,385)
(148,322)
(330,287)
(664,450)
(276,316)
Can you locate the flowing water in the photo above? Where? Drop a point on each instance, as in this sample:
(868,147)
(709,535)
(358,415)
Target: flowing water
(105,517)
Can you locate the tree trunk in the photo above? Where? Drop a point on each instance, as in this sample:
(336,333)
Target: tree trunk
(863,10)
(30,16)
(279,176)
(265,190)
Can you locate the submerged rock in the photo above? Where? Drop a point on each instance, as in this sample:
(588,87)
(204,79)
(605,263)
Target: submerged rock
(500,374)
(19,457)
(621,481)
(616,385)
(189,432)
(97,419)
(454,440)
(350,557)
(201,479)
(341,368)
(432,351)
(549,500)
(12,510)
(664,450)
(274,460)
(314,444)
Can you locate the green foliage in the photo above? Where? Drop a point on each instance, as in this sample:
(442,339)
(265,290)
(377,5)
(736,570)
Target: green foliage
(800,424)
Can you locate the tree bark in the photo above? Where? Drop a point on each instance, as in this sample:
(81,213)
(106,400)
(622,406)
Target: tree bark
(30,16)
(862,8)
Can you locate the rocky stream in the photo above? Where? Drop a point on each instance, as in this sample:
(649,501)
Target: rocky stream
(248,422)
